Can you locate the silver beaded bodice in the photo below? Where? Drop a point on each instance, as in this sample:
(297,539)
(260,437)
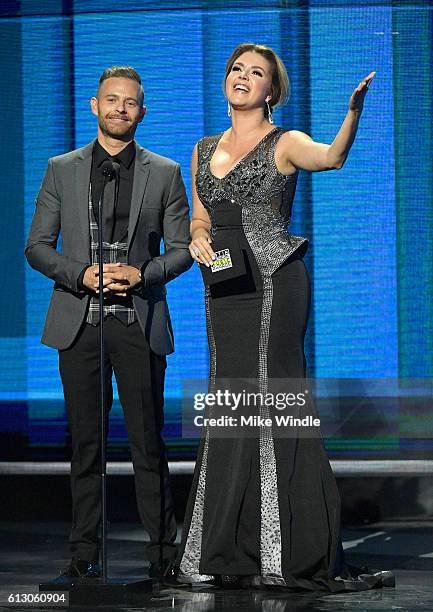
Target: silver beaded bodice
(263,193)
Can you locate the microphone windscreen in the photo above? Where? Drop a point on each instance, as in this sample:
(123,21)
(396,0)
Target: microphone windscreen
(107,168)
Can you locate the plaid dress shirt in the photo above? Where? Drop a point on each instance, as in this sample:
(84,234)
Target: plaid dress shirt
(120,307)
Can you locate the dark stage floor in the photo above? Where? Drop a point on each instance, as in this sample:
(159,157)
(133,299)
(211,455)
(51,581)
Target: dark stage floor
(34,552)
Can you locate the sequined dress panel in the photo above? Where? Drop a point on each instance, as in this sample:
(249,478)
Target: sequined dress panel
(262,194)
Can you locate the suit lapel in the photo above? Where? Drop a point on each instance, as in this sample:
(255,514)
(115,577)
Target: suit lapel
(83,165)
(141,176)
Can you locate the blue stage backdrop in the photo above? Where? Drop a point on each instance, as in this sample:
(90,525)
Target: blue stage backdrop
(370,224)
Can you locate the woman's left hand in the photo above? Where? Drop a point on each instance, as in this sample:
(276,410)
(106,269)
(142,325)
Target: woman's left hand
(356,101)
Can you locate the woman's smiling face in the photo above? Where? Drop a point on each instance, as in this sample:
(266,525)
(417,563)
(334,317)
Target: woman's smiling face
(248,83)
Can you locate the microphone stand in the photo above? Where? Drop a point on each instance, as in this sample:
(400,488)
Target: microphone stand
(102,591)
(107,176)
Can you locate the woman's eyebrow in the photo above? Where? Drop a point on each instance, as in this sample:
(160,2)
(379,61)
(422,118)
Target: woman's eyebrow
(241,64)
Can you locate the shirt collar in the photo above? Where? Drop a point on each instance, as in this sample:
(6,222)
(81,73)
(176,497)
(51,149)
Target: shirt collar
(125,157)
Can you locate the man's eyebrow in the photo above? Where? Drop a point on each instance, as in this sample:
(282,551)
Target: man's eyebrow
(114,95)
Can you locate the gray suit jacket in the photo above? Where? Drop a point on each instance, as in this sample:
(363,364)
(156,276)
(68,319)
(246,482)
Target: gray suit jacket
(159,209)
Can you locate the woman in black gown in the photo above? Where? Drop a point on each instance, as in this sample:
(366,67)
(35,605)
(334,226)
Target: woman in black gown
(263,510)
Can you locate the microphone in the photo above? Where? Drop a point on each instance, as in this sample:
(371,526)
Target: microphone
(110,169)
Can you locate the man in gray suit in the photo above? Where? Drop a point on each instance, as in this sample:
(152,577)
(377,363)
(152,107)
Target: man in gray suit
(144,204)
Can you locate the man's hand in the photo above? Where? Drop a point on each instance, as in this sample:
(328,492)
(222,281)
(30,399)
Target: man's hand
(90,278)
(118,278)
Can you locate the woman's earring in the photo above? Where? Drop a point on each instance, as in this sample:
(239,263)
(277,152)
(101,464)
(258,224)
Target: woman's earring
(229,109)
(270,119)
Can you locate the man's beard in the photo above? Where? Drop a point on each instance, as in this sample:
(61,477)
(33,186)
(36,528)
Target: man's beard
(117,135)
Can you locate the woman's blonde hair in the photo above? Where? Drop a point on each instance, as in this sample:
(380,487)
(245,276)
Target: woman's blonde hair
(280,85)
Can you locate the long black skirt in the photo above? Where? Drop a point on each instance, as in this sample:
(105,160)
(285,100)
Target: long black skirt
(264,509)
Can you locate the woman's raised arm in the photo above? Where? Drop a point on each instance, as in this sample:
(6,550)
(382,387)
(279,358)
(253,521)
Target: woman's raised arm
(297,150)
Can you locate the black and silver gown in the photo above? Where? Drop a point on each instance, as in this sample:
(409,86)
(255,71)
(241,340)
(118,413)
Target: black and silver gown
(265,508)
